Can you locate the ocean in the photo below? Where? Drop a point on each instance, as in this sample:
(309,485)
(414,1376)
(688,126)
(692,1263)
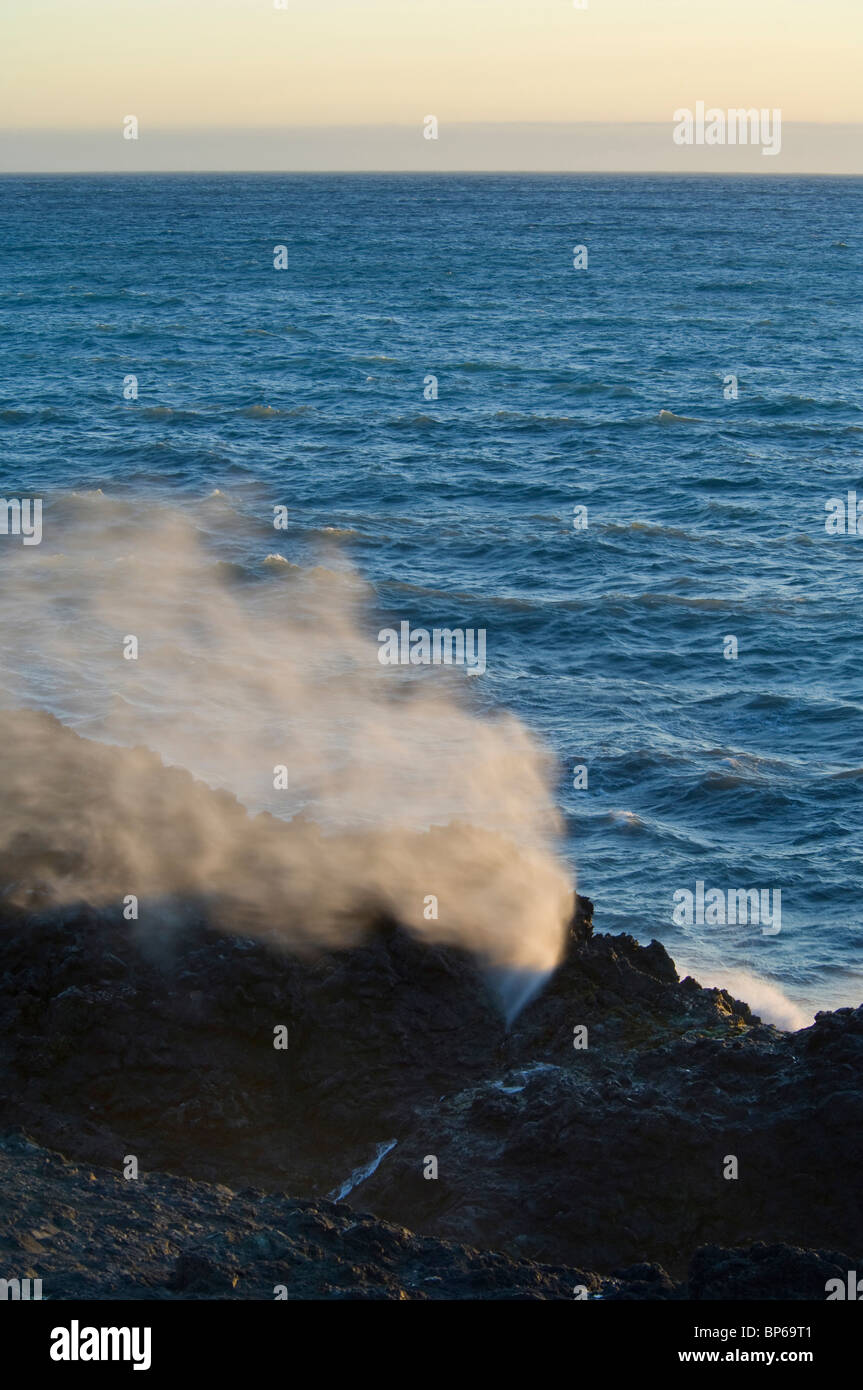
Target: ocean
(433,386)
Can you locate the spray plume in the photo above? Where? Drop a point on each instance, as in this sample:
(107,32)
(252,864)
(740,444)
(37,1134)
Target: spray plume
(399,791)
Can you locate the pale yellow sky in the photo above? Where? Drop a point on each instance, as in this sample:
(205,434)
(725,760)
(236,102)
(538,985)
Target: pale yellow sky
(73,65)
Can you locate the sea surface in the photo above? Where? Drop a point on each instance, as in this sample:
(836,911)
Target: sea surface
(605,387)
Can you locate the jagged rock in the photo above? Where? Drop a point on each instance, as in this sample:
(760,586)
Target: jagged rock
(766,1271)
(90,1234)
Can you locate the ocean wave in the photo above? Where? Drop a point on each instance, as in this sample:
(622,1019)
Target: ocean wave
(280,565)
(167,412)
(785,405)
(654,528)
(668,417)
(449,596)
(261,412)
(628,820)
(46,415)
(764,998)
(532,419)
(419,421)
(651,599)
(271,412)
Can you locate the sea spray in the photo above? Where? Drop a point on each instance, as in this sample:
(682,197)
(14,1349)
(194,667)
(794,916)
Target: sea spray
(514,988)
(383,786)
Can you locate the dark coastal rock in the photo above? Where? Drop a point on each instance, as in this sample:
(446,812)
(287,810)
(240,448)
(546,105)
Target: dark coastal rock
(88,1233)
(766,1272)
(620,1151)
(156,1041)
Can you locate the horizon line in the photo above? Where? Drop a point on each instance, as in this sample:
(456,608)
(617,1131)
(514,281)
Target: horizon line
(768,172)
(809,150)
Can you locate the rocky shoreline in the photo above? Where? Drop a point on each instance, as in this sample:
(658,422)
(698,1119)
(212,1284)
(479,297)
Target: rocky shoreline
(89,1234)
(600,1166)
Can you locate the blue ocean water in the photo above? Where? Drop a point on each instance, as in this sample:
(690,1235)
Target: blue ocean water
(603,387)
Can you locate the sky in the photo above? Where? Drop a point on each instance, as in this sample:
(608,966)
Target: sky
(353,80)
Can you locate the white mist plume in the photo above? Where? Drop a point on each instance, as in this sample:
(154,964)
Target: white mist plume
(405,790)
